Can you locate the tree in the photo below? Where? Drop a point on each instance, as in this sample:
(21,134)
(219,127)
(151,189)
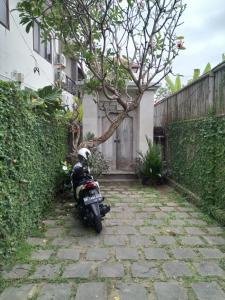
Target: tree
(110,38)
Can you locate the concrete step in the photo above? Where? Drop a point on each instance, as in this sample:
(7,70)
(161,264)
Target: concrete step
(119,176)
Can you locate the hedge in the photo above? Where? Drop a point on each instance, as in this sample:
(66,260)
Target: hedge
(32,146)
(196,158)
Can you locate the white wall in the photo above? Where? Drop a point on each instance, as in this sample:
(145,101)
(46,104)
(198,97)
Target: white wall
(16,55)
(90,117)
(146,119)
(145,116)
(143,119)
(67,99)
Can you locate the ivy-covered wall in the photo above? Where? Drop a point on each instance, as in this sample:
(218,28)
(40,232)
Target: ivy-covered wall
(32,145)
(196,158)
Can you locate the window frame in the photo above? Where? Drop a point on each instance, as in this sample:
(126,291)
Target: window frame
(45,56)
(46,50)
(39,37)
(7,15)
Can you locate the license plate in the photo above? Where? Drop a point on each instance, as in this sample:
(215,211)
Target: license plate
(92,199)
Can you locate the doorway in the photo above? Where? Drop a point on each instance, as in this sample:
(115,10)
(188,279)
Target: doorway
(118,150)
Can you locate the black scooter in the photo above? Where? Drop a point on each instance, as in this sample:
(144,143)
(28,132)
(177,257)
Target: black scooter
(89,204)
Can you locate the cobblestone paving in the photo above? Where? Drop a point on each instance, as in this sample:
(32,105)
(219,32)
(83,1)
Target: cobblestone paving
(154,245)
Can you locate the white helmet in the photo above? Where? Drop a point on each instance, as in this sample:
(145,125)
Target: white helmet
(84,153)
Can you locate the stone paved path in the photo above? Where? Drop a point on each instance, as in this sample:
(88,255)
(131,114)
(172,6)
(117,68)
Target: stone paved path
(154,245)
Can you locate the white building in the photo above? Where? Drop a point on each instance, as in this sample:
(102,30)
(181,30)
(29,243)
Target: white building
(24,58)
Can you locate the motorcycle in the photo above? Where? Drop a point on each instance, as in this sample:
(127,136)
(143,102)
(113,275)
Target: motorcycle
(89,203)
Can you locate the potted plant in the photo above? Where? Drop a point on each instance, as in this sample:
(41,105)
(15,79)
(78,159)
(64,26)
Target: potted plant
(149,165)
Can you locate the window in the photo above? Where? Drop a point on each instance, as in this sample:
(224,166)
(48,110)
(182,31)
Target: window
(4,13)
(48,50)
(43,48)
(36,37)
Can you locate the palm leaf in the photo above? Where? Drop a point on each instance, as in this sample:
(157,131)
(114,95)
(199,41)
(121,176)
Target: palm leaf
(177,83)
(170,84)
(207,68)
(196,74)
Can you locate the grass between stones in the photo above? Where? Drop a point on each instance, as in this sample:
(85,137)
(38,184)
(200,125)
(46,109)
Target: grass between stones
(21,255)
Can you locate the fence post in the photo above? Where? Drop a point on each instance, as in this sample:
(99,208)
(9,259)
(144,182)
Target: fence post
(211,91)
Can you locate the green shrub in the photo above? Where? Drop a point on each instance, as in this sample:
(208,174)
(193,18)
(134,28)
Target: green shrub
(89,136)
(33,141)
(149,165)
(97,163)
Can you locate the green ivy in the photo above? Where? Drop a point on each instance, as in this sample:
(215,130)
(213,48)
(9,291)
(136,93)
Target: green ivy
(196,156)
(32,146)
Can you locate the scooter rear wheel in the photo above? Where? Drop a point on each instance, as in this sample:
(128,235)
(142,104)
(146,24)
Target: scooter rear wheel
(98,224)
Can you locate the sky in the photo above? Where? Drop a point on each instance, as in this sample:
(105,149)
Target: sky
(204,36)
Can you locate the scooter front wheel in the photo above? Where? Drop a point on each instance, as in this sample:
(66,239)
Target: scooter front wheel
(98,224)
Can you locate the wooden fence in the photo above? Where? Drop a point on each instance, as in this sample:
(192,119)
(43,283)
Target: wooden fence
(198,99)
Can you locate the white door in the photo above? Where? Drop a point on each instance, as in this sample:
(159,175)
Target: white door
(109,147)
(118,150)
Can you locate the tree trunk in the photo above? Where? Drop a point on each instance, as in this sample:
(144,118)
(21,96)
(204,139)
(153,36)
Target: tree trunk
(107,134)
(75,133)
(114,125)
(75,136)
